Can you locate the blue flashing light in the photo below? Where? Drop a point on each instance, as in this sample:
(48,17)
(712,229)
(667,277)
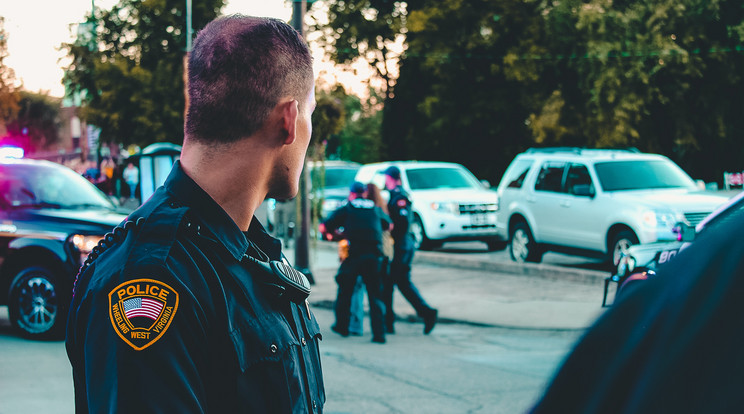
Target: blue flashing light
(11,152)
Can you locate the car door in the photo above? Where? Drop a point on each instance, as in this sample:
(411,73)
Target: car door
(545,202)
(580,214)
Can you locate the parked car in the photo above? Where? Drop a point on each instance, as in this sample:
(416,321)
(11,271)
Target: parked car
(641,262)
(449,203)
(595,202)
(329,187)
(50,219)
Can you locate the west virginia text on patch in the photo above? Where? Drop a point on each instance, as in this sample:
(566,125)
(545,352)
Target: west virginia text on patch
(141,311)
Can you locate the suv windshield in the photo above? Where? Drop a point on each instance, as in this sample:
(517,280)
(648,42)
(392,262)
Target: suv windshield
(641,175)
(44,186)
(334,177)
(433,178)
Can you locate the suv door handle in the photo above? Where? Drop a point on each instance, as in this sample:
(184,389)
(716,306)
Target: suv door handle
(565,203)
(530,199)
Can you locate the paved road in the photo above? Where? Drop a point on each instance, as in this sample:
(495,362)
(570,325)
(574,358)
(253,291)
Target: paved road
(503,331)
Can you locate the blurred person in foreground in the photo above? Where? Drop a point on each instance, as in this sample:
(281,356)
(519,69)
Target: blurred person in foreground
(674,345)
(191,307)
(363,223)
(399,207)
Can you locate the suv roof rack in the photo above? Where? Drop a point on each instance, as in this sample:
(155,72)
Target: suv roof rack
(577,150)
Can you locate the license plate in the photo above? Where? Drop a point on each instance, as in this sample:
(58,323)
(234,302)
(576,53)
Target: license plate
(478,219)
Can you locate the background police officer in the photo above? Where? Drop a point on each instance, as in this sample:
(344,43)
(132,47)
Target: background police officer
(190,307)
(399,208)
(363,223)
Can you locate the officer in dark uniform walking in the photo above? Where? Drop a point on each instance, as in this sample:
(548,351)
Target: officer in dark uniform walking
(190,306)
(399,208)
(363,223)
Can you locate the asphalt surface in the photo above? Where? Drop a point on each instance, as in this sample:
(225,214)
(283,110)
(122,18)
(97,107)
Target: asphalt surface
(482,289)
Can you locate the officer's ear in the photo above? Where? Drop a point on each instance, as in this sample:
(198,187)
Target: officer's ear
(289,111)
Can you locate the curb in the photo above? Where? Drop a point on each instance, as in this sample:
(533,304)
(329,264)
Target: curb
(465,261)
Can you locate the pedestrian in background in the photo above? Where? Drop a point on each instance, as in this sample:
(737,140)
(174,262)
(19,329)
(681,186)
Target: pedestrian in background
(363,224)
(191,307)
(399,207)
(131,177)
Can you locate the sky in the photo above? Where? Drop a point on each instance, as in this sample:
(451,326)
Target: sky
(36,28)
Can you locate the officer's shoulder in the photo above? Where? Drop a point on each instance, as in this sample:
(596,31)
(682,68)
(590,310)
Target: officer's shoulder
(141,243)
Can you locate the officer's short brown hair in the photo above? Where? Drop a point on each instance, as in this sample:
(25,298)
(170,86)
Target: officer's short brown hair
(239,68)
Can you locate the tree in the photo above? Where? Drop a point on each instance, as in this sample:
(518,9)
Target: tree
(455,99)
(131,73)
(8,94)
(368,30)
(37,123)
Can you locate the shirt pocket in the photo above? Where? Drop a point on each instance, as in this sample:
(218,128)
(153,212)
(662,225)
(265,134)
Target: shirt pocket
(256,342)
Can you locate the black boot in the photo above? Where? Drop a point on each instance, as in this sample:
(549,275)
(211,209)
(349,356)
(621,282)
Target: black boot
(430,319)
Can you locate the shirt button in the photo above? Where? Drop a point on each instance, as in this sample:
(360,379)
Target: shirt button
(304,342)
(273,348)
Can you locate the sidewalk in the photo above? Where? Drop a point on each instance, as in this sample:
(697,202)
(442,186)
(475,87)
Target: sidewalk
(475,290)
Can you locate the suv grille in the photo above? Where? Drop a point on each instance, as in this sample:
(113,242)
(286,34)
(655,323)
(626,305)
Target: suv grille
(695,218)
(477,208)
(478,212)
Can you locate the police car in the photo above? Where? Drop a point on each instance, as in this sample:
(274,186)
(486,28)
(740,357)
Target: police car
(448,202)
(50,219)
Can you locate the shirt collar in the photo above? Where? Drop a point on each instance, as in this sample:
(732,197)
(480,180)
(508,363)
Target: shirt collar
(212,216)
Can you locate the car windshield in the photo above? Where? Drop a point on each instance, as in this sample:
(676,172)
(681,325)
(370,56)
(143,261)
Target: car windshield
(47,186)
(440,177)
(335,177)
(641,175)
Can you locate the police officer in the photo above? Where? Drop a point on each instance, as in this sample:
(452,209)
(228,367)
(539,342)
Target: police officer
(190,306)
(363,223)
(399,208)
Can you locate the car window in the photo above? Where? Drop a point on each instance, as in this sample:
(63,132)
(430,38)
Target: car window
(550,177)
(44,185)
(516,174)
(641,174)
(577,175)
(332,177)
(440,177)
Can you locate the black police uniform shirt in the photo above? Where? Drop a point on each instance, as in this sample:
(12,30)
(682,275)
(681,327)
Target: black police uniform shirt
(172,318)
(363,223)
(399,207)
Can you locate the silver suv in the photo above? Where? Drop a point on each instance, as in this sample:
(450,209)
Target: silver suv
(594,203)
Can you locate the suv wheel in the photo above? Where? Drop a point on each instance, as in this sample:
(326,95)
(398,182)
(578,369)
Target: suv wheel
(522,246)
(620,244)
(420,241)
(35,304)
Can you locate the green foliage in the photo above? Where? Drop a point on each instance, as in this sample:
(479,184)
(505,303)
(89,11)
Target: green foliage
(131,74)
(37,122)
(359,140)
(664,76)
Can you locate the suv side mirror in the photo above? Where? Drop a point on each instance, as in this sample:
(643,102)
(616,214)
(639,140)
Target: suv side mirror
(583,190)
(486,183)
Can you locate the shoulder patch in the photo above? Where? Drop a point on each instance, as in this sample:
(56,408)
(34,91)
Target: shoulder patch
(141,311)
(402,202)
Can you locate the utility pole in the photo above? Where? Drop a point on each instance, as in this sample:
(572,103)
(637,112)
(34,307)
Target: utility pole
(189,35)
(302,240)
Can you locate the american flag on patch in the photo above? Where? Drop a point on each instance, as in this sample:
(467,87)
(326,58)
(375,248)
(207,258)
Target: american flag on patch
(142,307)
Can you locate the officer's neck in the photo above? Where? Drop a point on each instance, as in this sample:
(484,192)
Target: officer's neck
(235,178)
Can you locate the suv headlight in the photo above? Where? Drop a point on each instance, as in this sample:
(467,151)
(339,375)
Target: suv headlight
(85,244)
(449,207)
(661,219)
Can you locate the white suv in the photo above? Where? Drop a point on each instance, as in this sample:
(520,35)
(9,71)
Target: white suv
(449,203)
(594,203)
